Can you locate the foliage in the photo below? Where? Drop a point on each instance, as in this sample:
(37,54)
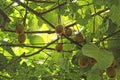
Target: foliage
(95,34)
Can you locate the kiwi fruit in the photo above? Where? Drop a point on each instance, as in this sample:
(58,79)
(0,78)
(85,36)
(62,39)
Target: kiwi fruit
(83,61)
(111,72)
(114,63)
(21,38)
(92,61)
(20,29)
(59,47)
(59,29)
(79,38)
(68,32)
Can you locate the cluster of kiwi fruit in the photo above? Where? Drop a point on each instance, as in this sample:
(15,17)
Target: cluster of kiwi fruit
(85,61)
(111,71)
(59,29)
(21,35)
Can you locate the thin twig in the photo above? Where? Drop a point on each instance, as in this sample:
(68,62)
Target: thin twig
(31,46)
(108,36)
(33,32)
(71,40)
(71,25)
(38,14)
(37,52)
(99,12)
(37,1)
(6,18)
(11,62)
(53,8)
(8,6)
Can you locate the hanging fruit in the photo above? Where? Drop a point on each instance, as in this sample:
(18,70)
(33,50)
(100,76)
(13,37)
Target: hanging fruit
(68,32)
(79,38)
(111,72)
(114,63)
(21,38)
(59,47)
(59,29)
(92,61)
(83,61)
(20,29)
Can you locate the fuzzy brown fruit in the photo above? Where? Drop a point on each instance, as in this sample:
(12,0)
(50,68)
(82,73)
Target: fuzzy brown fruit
(92,61)
(20,29)
(83,61)
(114,63)
(79,38)
(68,32)
(21,38)
(59,29)
(111,72)
(59,47)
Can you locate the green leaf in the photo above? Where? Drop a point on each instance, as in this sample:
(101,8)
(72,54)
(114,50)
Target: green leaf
(33,23)
(115,14)
(56,57)
(51,17)
(93,75)
(90,50)
(36,40)
(111,27)
(104,58)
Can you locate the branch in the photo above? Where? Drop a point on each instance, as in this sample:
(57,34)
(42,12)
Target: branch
(71,25)
(92,15)
(37,52)
(33,32)
(99,12)
(38,14)
(11,62)
(31,46)
(62,4)
(108,36)
(71,40)
(6,18)
(54,8)
(37,1)
(8,6)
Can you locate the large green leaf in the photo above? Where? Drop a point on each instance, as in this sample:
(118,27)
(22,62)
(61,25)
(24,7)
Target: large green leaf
(115,13)
(104,58)
(91,50)
(36,40)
